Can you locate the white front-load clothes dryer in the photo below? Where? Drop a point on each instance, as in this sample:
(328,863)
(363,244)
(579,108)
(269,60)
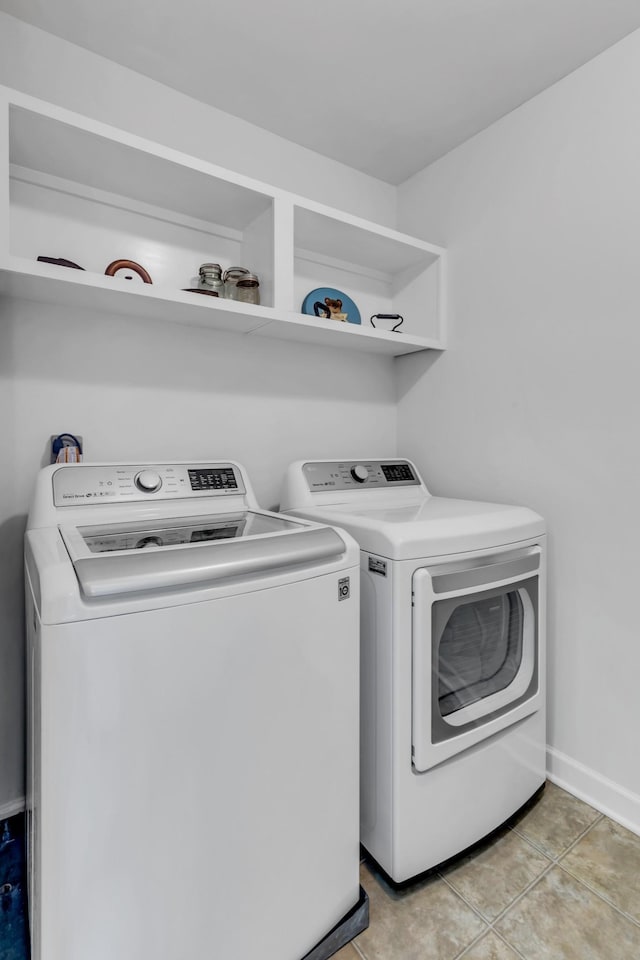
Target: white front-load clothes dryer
(452,656)
(193,720)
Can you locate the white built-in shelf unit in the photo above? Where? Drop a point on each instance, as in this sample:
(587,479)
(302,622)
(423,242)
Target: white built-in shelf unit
(91,193)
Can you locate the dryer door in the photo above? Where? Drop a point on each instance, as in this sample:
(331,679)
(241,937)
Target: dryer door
(475,651)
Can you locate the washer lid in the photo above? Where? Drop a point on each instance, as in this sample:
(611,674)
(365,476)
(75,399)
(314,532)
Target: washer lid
(436,526)
(137,557)
(147,534)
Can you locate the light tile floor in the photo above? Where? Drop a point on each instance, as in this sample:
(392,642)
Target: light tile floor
(561,883)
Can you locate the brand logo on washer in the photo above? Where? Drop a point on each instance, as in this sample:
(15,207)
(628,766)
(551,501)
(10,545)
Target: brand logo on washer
(344,588)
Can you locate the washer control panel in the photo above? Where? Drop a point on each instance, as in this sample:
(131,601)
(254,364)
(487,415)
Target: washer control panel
(359,474)
(86,483)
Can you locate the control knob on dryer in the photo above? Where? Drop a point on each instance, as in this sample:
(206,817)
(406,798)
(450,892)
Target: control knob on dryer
(148,481)
(359,473)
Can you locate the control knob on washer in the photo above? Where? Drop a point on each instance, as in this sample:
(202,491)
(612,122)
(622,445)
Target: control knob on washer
(148,481)
(359,473)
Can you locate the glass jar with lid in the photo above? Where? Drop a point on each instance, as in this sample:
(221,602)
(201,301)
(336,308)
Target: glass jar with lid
(211,279)
(248,289)
(231,278)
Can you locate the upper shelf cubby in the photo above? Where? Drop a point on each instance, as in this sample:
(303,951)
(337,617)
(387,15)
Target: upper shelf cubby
(90,193)
(94,197)
(380,270)
(353,241)
(80,156)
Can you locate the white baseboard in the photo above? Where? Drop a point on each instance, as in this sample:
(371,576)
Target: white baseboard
(12,808)
(605,795)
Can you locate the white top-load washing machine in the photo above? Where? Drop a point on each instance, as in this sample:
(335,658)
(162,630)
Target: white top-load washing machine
(193,719)
(452,656)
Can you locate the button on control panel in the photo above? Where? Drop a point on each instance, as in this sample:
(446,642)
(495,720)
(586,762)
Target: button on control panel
(364,474)
(86,483)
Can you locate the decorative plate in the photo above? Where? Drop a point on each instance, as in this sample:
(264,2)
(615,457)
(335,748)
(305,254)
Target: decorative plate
(340,307)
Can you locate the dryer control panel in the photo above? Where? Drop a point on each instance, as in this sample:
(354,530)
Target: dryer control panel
(358,475)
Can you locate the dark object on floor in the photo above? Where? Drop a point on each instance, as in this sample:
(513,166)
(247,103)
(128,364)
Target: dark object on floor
(14,939)
(61,262)
(349,927)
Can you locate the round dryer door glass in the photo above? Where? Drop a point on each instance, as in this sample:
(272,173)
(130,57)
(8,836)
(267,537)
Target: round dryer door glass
(480,650)
(483,655)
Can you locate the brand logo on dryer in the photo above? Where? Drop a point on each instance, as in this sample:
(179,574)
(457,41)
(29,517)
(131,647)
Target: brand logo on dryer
(378,566)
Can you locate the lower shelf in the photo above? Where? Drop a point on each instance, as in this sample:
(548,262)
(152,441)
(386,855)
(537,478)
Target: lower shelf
(347,336)
(45,283)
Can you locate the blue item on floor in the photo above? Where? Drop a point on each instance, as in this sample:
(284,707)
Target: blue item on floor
(14,939)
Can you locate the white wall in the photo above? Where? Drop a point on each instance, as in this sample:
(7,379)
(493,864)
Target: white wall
(136,391)
(46,66)
(538,399)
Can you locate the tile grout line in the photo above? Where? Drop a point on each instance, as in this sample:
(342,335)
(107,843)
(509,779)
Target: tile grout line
(480,937)
(550,856)
(500,916)
(471,945)
(553,862)
(533,882)
(600,896)
(466,902)
(358,950)
(504,940)
(585,883)
(523,894)
(499,936)
(557,861)
(489,924)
